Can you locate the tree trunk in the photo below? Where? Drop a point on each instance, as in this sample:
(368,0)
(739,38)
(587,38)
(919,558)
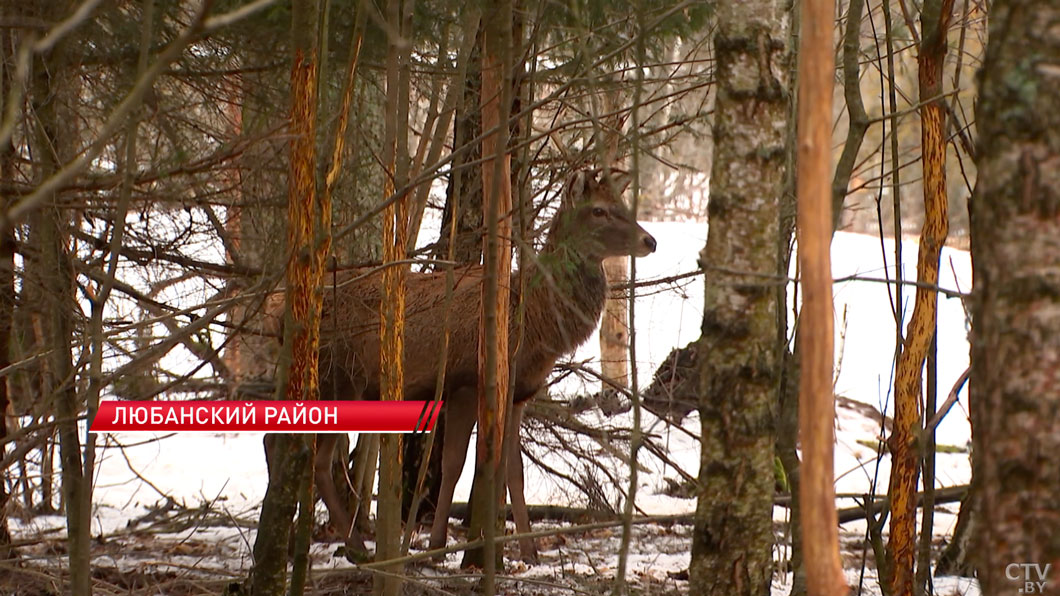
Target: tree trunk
(908,385)
(308,242)
(956,557)
(256,224)
(464,193)
(614,324)
(740,356)
(1015,395)
(493,395)
(53,87)
(7,300)
(460,240)
(234,355)
(788,391)
(614,328)
(820,534)
(392,309)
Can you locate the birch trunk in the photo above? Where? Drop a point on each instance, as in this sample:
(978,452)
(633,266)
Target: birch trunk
(740,357)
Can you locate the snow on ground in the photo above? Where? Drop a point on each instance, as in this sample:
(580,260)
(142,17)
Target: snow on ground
(136,473)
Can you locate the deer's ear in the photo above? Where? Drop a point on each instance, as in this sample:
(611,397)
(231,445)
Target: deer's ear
(621,180)
(578,188)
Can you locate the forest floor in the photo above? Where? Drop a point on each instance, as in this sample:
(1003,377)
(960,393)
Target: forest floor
(196,551)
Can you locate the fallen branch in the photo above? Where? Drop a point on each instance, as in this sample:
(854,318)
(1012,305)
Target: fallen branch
(579,515)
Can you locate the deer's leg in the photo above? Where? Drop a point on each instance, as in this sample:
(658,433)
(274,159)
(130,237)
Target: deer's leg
(514,474)
(460,417)
(340,517)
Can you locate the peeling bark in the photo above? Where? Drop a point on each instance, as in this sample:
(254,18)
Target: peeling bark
(308,242)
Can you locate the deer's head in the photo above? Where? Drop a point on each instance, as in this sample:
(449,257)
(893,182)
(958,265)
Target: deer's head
(595,222)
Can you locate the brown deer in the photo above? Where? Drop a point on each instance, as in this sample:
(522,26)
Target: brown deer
(562,296)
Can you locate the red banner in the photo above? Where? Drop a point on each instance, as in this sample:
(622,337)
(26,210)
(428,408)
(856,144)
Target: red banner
(267,416)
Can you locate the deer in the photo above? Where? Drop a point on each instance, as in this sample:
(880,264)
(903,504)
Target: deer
(562,298)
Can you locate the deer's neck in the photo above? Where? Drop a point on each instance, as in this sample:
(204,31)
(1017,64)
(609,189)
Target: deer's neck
(564,294)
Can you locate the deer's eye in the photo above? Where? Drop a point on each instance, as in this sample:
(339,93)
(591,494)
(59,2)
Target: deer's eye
(599,211)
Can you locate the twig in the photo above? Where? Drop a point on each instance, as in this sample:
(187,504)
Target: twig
(946,406)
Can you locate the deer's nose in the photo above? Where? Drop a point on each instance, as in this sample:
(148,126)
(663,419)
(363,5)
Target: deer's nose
(649,241)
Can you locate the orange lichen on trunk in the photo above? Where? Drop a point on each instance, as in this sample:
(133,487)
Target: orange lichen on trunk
(905,450)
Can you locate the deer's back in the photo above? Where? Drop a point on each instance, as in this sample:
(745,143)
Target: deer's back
(553,325)
(350,327)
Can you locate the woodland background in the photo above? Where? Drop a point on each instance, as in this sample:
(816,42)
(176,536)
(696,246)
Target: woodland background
(161,161)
